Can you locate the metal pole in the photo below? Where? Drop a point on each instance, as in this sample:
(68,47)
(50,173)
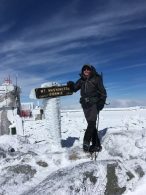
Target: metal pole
(97,121)
(97,132)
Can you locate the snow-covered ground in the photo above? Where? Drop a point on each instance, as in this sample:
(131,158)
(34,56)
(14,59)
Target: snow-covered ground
(29,165)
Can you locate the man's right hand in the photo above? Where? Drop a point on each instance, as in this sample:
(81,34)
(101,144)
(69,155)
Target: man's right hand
(70,84)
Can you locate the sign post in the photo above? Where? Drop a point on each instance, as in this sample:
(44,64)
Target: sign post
(54,91)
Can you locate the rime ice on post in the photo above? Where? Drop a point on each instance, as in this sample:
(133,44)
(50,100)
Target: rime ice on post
(52,116)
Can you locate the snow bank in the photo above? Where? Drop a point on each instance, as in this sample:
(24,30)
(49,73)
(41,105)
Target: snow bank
(120,167)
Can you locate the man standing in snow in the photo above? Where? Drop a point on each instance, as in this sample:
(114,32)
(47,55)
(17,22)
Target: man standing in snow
(93,97)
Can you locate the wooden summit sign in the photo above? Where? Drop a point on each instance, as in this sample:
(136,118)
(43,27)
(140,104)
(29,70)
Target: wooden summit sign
(54,91)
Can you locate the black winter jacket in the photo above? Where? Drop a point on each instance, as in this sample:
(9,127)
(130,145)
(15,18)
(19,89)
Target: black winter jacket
(91,87)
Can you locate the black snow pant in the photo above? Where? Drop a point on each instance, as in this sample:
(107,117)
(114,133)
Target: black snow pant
(91,134)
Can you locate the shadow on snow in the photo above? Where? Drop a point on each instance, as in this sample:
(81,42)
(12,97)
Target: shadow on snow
(102,133)
(69,142)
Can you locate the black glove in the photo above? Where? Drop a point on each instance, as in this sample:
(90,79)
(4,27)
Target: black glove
(101,103)
(70,84)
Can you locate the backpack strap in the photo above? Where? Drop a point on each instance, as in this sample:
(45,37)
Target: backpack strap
(100,77)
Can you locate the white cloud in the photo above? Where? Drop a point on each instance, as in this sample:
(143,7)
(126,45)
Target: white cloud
(112,21)
(130,67)
(6,27)
(116,103)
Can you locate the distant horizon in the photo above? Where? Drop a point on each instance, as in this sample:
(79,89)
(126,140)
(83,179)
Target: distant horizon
(117,103)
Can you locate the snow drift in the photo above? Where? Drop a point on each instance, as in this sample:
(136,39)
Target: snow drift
(30,166)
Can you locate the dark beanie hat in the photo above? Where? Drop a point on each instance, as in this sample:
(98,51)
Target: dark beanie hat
(86,66)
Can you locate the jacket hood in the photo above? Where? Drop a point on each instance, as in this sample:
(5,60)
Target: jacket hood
(93,70)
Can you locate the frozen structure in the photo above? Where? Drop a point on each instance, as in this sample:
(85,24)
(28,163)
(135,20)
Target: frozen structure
(10,121)
(26,109)
(52,117)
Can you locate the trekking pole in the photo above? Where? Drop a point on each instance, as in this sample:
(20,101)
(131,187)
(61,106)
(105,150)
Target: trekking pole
(97,131)
(97,121)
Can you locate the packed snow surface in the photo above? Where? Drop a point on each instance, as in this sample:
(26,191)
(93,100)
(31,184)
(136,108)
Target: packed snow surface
(29,164)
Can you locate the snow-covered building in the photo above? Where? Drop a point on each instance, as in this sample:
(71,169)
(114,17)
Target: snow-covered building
(9,102)
(26,109)
(37,113)
(9,95)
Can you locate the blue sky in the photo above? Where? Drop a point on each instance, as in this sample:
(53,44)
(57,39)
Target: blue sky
(44,40)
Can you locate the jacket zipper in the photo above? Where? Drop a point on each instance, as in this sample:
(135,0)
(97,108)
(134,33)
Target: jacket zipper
(86,87)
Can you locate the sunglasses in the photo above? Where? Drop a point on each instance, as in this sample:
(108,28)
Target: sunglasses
(88,69)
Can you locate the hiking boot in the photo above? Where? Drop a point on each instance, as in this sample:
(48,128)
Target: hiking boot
(91,149)
(98,148)
(95,148)
(86,147)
